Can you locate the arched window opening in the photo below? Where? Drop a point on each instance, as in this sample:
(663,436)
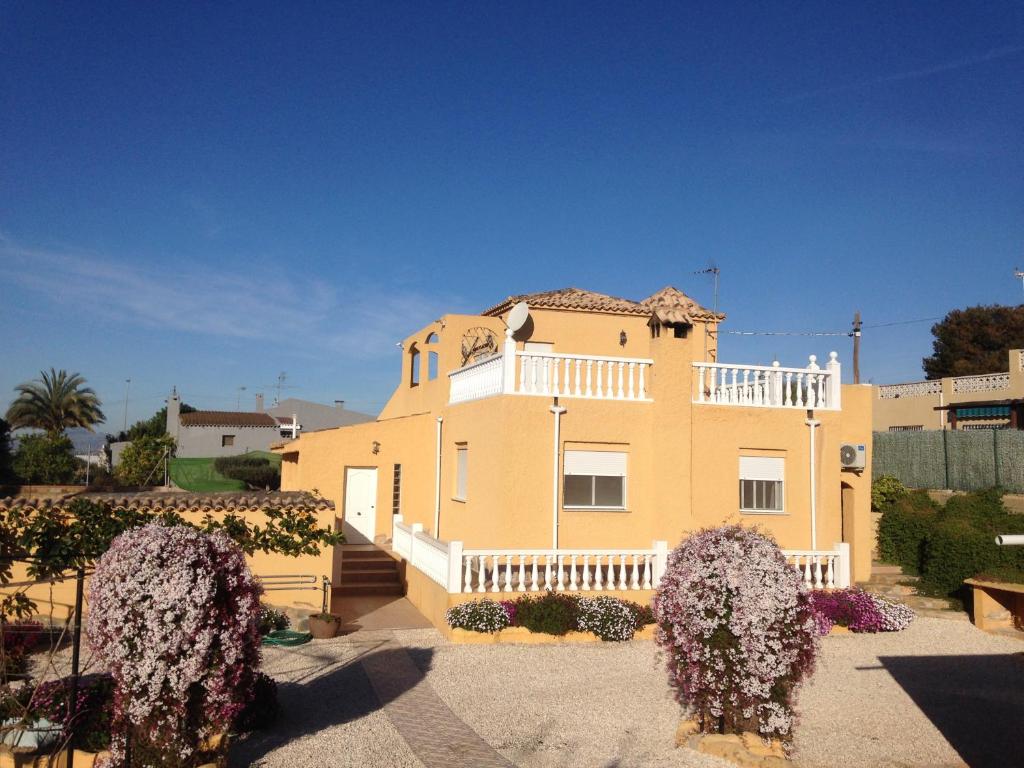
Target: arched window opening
(433,338)
(414,366)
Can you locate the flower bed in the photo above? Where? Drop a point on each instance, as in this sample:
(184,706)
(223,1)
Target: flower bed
(550,618)
(858,611)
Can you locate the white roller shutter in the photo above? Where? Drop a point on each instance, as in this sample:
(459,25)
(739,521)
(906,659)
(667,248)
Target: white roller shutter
(601,463)
(762,468)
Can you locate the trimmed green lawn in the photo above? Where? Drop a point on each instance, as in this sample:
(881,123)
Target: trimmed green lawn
(199,474)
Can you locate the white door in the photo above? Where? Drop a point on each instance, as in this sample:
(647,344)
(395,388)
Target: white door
(360,514)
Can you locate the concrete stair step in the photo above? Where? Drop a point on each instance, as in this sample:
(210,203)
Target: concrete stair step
(351,566)
(369,588)
(895,591)
(920,602)
(885,568)
(892,578)
(942,613)
(365,554)
(370,577)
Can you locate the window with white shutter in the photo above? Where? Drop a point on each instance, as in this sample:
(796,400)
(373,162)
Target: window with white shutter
(762,484)
(594,480)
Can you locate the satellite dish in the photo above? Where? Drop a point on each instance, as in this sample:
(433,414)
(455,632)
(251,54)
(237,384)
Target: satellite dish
(518,316)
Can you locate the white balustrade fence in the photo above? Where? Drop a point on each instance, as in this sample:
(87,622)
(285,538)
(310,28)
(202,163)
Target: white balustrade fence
(483,378)
(820,569)
(602,378)
(575,570)
(769,386)
(535,570)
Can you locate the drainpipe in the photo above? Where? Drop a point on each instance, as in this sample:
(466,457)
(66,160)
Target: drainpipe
(437,482)
(813,424)
(557,410)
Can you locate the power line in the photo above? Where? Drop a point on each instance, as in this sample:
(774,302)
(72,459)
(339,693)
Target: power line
(789,333)
(904,322)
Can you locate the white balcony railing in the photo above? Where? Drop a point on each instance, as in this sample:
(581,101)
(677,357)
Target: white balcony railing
(550,374)
(462,570)
(769,386)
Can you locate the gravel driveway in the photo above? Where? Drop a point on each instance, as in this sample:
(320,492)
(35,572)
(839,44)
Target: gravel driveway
(939,694)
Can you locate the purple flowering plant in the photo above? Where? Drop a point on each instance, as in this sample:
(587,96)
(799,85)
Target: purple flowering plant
(174,616)
(737,629)
(859,611)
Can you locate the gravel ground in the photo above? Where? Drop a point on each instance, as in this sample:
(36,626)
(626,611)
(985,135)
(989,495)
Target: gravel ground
(941,693)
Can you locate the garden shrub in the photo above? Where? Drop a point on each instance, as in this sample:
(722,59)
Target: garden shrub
(90,730)
(477,616)
(859,611)
(272,620)
(552,613)
(737,629)
(606,617)
(20,638)
(262,710)
(254,471)
(643,615)
(886,491)
(903,529)
(173,614)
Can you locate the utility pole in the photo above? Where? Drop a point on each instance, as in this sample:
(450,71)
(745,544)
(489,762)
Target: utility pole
(1019,275)
(238,400)
(856,346)
(280,384)
(127,386)
(714,271)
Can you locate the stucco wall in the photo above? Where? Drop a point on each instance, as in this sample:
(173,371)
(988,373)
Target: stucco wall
(205,442)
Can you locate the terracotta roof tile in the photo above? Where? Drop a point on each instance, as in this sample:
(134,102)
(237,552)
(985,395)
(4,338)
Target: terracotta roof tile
(157,501)
(671,305)
(227,419)
(571,299)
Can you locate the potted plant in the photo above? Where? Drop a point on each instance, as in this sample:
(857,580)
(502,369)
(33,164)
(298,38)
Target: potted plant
(324,626)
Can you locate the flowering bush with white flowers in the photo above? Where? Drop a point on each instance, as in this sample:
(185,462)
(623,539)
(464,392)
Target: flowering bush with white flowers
(173,614)
(859,611)
(606,617)
(738,631)
(478,616)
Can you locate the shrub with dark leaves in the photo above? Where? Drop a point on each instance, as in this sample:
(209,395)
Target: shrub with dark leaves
(90,727)
(261,712)
(552,613)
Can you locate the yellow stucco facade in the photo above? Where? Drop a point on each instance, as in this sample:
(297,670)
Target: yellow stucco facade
(682,457)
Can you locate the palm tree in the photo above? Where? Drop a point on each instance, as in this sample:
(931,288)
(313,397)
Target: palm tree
(55,401)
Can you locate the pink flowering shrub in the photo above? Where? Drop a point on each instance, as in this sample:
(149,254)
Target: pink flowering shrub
(173,614)
(738,631)
(859,611)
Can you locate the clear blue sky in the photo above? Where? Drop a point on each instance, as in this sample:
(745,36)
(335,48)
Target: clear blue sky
(207,194)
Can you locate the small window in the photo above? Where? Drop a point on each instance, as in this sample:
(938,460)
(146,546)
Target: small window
(762,484)
(461,470)
(226,441)
(594,480)
(396,491)
(431,365)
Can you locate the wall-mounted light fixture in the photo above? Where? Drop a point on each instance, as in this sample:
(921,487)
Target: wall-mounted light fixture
(376,447)
(622,338)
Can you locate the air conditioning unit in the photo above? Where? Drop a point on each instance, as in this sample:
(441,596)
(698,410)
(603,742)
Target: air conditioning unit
(853,456)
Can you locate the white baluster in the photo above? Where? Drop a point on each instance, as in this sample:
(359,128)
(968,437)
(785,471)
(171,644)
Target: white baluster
(576,391)
(508,573)
(590,365)
(522,575)
(554,378)
(745,393)
(572,573)
(522,374)
(597,574)
(469,574)
(560,564)
(642,393)
(807,570)
(629,394)
(700,382)
(787,389)
(565,379)
(547,572)
(622,572)
(619,393)
(818,582)
(533,576)
(830,573)
(634,582)
(495,573)
(647,571)
(586,573)
(600,379)
(483,575)
(610,389)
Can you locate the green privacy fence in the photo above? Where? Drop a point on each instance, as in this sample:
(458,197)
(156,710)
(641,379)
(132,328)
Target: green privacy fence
(959,460)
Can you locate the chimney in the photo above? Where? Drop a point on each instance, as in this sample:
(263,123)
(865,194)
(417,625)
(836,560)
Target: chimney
(173,414)
(339,403)
(259,403)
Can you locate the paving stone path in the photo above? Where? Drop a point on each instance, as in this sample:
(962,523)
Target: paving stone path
(437,737)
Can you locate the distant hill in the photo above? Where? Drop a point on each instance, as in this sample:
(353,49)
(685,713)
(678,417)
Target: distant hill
(86,441)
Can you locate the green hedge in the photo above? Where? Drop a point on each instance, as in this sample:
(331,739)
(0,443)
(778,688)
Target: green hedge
(946,545)
(254,471)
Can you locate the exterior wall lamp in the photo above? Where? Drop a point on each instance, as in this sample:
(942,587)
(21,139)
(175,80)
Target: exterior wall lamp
(376,447)
(622,338)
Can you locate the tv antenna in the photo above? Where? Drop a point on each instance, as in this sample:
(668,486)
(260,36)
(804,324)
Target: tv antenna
(714,271)
(278,386)
(1019,275)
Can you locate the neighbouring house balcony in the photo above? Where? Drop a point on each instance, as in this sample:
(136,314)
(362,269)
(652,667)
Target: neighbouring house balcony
(769,386)
(462,570)
(551,374)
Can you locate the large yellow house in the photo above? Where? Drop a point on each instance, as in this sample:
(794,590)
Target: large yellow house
(569,438)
